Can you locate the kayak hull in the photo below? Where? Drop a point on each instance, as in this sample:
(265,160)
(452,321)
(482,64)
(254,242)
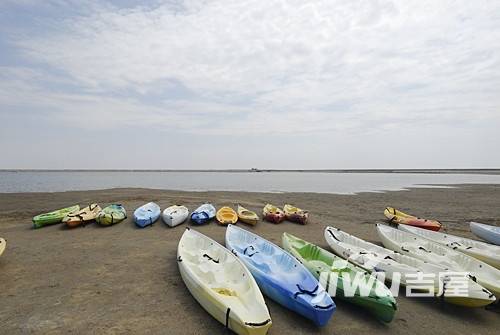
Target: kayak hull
(432,252)
(280,276)
(297,215)
(395,216)
(3,245)
(203,214)
(175,215)
(486,232)
(377,259)
(82,217)
(54,217)
(111,215)
(273,214)
(226,215)
(247,216)
(319,262)
(146,215)
(485,252)
(222,285)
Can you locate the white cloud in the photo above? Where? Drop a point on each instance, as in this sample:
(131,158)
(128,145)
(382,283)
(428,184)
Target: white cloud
(297,66)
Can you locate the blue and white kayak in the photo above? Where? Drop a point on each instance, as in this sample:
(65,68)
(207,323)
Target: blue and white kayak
(147,214)
(203,214)
(486,232)
(280,276)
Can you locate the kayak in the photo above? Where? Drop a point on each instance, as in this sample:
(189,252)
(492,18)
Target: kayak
(247,216)
(273,214)
(428,251)
(54,217)
(483,251)
(371,295)
(404,269)
(395,216)
(295,214)
(486,232)
(175,215)
(222,284)
(280,276)
(146,215)
(82,216)
(203,214)
(3,245)
(226,215)
(112,214)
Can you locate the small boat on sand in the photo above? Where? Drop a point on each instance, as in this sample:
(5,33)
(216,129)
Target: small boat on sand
(273,214)
(82,216)
(247,216)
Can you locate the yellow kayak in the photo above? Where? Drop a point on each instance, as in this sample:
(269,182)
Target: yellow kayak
(226,215)
(3,244)
(247,216)
(396,216)
(295,214)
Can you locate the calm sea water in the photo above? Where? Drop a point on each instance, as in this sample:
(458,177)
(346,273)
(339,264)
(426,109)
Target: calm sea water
(342,183)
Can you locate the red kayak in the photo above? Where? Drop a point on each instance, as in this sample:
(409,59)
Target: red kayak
(395,216)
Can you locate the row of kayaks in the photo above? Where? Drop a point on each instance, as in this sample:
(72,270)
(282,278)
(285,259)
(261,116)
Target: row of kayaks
(486,232)
(148,214)
(229,282)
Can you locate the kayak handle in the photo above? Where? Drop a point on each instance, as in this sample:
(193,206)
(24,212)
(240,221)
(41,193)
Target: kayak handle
(323,307)
(210,258)
(333,235)
(250,247)
(258,324)
(311,293)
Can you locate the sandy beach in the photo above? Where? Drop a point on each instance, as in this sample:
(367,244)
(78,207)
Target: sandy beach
(120,279)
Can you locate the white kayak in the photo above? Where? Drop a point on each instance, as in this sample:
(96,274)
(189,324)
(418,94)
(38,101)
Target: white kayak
(174,215)
(486,232)
(483,251)
(376,259)
(429,251)
(222,285)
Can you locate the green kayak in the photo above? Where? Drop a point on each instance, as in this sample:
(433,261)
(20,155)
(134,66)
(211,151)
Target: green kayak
(112,214)
(378,299)
(54,217)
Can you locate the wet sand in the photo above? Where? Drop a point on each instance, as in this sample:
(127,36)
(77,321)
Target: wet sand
(120,279)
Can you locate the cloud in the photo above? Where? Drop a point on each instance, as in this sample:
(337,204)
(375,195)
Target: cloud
(248,67)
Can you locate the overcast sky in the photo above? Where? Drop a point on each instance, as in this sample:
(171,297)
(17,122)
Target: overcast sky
(239,84)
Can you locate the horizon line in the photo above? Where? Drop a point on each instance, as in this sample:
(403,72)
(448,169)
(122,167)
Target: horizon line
(256,170)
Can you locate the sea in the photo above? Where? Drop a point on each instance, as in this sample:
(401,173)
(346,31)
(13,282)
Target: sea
(316,182)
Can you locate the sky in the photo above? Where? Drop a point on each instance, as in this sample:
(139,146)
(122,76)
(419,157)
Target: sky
(321,84)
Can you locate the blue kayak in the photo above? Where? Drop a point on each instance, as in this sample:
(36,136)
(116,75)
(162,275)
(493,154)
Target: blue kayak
(486,232)
(147,214)
(203,214)
(280,276)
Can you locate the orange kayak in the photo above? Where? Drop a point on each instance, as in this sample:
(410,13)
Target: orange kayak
(396,216)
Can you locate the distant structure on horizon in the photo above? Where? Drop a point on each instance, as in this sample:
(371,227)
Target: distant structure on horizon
(255,170)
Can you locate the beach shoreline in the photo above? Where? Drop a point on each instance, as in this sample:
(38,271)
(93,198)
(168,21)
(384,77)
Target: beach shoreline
(121,279)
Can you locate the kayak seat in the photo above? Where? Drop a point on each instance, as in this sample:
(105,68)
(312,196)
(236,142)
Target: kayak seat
(225,291)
